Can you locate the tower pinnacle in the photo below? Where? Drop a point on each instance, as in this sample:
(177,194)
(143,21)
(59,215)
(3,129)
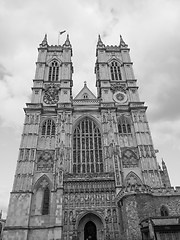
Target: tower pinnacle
(100,43)
(44,42)
(122,43)
(67,42)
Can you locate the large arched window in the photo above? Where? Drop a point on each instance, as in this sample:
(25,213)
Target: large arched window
(48,128)
(124,125)
(53,71)
(115,71)
(45,203)
(87,147)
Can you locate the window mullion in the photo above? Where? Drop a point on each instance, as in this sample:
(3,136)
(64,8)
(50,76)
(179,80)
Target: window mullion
(93,138)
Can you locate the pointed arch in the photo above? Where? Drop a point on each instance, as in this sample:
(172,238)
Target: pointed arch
(115,69)
(132,179)
(87,147)
(54,58)
(124,124)
(54,68)
(48,128)
(41,196)
(42,182)
(113,58)
(88,116)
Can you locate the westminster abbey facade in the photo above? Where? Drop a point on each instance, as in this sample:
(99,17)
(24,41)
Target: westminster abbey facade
(87,168)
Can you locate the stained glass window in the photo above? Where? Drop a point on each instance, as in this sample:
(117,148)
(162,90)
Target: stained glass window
(48,128)
(87,147)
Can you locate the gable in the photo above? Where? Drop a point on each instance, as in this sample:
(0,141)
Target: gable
(85,93)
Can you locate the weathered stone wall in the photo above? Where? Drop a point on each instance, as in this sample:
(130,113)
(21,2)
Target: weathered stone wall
(15,234)
(171,202)
(41,234)
(136,207)
(19,208)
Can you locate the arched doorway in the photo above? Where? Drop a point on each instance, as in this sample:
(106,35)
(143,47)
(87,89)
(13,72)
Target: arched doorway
(90,231)
(90,227)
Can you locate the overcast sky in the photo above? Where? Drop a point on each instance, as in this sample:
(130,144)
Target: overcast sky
(150,28)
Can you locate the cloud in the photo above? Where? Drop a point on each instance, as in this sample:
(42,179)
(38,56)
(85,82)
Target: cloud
(150,28)
(3,72)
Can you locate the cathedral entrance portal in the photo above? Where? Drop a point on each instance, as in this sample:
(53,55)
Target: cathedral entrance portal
(90,231)
(90,227)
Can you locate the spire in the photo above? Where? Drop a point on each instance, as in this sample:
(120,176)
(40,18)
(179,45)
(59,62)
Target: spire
(67,42)
(122,43)
(44,42)
(100,44)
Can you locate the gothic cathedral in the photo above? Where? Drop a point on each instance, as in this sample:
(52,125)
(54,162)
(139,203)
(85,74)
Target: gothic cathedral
(87,168)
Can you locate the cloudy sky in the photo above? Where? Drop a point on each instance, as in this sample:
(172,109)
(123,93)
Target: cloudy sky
(150,28)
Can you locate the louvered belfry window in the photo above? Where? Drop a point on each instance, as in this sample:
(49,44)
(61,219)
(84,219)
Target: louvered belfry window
(87,147)
(115,71)
(53,71)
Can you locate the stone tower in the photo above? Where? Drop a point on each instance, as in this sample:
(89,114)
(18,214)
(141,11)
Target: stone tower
(84,162)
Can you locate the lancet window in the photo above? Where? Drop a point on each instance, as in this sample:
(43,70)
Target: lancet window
(124,125)
(45,203)
(53,71)
(87,147)
(85,96)
(48,128)
(115,71)
(41,198)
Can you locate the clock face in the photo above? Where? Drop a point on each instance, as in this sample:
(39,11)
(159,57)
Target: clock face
(51,96)
(120,97)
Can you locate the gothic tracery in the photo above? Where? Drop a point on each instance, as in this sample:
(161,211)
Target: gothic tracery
(87,147)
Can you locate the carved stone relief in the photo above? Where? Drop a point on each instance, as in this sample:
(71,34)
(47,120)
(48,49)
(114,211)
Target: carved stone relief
(118,87)
(26,154)
(129,159)
(139,116)
(45,160)
(146,151)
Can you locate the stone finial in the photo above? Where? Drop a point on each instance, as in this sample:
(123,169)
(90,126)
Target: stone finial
(85,83)
(163,163)
(122,43)
(159,167)
(100,43)
(44,41)
(67,42)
